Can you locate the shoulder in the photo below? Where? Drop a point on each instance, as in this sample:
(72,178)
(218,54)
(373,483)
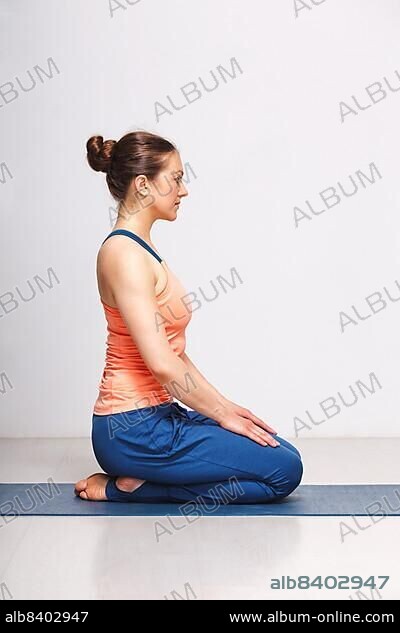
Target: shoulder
(120,247)
(120,255)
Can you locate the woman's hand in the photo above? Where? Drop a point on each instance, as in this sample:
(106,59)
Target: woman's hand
(242,421)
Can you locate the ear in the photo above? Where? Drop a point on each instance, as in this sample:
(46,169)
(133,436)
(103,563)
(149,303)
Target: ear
(140,182)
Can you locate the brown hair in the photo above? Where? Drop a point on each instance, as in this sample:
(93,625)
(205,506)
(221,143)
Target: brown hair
(135,153)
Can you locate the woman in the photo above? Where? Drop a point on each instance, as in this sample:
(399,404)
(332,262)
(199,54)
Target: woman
(152,448)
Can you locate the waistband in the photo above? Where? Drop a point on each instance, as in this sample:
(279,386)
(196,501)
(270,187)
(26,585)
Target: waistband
(165,407)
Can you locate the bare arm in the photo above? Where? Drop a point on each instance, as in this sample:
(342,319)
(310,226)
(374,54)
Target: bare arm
(198,376)
(232,406)
(130,277)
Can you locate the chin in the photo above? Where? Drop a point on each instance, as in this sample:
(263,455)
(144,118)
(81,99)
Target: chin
(168,215)
(171,217)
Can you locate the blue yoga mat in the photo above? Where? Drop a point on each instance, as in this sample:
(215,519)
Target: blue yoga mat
(52,499)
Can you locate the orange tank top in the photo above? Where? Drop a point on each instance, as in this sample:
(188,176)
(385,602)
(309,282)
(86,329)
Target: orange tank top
(126,382)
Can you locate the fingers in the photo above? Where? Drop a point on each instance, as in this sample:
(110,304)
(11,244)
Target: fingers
(245,427)
(260,436)
(260,422)
(256,438)
(249,415)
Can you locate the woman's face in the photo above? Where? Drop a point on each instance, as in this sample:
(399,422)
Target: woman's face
(167,189)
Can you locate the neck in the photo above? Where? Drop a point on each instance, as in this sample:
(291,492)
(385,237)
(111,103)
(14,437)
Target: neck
(137,221)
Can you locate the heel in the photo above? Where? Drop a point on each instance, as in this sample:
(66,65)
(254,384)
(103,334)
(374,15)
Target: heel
(113,493)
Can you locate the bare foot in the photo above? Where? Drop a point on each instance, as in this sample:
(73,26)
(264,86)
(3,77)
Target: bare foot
(93,488)
(128,484)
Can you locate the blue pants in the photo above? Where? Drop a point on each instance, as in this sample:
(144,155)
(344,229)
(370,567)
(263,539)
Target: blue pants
(183,455)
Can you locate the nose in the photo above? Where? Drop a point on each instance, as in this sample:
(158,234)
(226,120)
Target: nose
(182,191)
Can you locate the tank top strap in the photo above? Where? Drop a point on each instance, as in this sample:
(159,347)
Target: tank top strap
(138,239)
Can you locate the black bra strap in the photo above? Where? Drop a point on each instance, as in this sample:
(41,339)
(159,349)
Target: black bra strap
(137,239)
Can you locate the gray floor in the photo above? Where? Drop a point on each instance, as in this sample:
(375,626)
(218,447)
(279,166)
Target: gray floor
(209,558)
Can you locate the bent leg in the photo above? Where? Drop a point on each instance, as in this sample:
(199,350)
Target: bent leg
(198,417)
(232,491)
(193,455)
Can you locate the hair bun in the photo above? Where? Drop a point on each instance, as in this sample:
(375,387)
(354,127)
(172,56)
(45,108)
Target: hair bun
(99,153)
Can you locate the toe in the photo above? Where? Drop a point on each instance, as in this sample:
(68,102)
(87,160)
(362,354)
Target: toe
(83,495)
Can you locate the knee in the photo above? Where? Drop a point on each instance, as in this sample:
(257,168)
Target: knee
(290,476)
(296,474)
(295,451)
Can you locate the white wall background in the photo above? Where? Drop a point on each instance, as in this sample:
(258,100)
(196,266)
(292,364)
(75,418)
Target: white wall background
(265,141)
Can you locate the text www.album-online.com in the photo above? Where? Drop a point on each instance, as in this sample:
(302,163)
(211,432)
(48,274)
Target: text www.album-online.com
(338,616)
